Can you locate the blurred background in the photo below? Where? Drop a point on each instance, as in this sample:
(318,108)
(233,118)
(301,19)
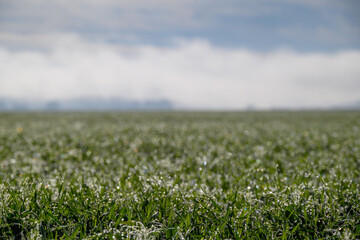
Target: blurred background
(182,55)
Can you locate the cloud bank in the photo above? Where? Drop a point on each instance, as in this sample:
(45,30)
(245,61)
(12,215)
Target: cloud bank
(193,74)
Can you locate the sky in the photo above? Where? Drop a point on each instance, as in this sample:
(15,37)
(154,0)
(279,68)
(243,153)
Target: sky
(210,54)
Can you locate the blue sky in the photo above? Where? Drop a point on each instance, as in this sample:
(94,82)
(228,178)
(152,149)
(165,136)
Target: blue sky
(198,54)
(258,25)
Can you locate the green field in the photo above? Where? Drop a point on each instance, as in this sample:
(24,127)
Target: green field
(281,175)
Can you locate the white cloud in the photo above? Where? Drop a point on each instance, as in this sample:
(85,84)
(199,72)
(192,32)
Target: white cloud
(192,73)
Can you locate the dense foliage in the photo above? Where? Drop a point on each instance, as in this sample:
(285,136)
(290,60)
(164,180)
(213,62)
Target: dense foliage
(180,175)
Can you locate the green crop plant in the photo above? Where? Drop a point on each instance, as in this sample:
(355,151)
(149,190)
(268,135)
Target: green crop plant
(270,175)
